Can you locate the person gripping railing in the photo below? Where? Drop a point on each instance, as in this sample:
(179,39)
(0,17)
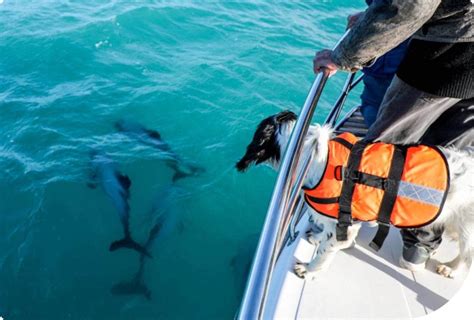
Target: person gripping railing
(281,209)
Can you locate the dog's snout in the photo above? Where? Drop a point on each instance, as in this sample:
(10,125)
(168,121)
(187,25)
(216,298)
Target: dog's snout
(242,164)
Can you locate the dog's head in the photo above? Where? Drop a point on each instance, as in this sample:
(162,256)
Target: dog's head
(266,144)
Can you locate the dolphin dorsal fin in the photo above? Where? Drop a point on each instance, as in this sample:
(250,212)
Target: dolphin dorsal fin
(153,134)
(124,181)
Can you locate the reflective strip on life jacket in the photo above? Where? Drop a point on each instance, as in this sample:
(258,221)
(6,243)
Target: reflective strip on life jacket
(420,193)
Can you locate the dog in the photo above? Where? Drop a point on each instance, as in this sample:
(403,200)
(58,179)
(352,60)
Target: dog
(456,218)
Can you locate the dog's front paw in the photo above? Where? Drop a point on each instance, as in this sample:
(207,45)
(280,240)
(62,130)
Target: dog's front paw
(302,271)
(312,238)
(445,271)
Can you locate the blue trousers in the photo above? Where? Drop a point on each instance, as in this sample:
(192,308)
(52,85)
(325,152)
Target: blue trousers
(372,96)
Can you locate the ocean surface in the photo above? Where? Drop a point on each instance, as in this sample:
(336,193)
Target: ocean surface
(202,74)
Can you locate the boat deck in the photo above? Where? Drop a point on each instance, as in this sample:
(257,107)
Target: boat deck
(359,282)
(353,122)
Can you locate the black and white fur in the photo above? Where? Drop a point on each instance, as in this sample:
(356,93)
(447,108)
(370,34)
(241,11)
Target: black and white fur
(457,217)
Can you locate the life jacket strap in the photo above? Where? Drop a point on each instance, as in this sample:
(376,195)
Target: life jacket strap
(351,176)
(323,200)
(343,142)
(391,185)
(380,236)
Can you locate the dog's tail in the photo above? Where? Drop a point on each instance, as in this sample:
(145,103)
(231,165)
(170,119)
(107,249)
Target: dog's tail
(129,243)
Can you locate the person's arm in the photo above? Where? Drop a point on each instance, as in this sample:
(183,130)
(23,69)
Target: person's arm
(384,25)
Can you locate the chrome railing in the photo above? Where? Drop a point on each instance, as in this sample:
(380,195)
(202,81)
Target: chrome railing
(286,203)
(273,229)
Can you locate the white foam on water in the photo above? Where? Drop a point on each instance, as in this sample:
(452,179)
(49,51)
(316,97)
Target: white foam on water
(98,44)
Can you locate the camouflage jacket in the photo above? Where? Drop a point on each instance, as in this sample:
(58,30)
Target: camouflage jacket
(387,23)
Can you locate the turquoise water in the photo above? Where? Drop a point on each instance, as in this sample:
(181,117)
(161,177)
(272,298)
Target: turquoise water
(203,74)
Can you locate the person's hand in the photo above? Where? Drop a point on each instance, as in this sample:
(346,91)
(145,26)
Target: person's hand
(353,18)
(323,62)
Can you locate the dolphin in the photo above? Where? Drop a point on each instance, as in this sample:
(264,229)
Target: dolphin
(137,285)
(153,139)
(134,287)
(165,213)
(117,187)
(164,223)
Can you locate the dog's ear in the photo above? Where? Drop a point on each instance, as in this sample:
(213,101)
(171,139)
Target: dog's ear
(264,145)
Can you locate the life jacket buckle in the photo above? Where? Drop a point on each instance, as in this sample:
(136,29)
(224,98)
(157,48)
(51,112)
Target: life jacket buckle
(352,175)
(389,185)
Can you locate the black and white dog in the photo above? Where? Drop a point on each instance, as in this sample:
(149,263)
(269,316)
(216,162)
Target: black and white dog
(457,218)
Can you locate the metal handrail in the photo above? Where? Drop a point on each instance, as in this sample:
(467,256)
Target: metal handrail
(282,206)
(265,257)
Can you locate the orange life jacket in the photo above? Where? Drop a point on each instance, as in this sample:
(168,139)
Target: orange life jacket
(405,186)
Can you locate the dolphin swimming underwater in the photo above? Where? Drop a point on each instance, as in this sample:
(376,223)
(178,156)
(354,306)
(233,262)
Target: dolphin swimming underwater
(166,217)
(117,187)
(165,222)
(153,139)
(136,286)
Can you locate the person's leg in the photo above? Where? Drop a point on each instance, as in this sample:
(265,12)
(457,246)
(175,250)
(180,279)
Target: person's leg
(418,244)
(406,113)
(369,112)
(455,127)
(372,96)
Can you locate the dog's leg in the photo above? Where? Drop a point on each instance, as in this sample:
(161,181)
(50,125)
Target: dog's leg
(449,269)
(328,247)
(322,260)
(316,232)
(464,259)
